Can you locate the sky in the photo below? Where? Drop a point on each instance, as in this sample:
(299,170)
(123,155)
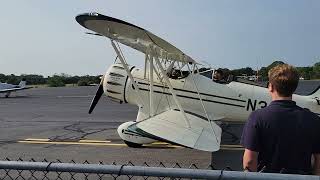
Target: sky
(42,36)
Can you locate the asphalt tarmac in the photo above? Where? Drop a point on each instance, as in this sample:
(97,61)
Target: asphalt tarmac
(53,123)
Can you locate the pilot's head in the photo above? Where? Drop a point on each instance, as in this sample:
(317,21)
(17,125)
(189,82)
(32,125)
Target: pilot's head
(283,81)
(217,75)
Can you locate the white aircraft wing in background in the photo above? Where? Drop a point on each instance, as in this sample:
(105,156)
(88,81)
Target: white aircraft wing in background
(13,89)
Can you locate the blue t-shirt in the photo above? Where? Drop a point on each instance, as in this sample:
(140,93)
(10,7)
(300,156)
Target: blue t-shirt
(284,134)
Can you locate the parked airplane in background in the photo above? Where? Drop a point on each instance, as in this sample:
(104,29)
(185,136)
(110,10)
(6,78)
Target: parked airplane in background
(7,89)
(177,103)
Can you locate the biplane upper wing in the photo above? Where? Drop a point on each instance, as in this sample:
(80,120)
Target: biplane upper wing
(170,126)
(130,35)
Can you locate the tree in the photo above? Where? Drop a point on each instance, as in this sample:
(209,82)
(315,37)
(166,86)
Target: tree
(33,78)
(243,71)
(83,82)
(305,72)
(55,81)
(263,72)
(3,78)
(316,70)
(12,79)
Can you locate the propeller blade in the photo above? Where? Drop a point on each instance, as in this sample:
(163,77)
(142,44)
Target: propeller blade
(96,98)
(96,34)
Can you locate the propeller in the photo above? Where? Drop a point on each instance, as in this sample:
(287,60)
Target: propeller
(96,34)
(97,96)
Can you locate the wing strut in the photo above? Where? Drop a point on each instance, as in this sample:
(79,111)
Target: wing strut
(124,64)
(165,77)
(201,101)
(151,86)
(145,66)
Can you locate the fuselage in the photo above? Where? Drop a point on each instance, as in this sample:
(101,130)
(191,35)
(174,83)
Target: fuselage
(230,102)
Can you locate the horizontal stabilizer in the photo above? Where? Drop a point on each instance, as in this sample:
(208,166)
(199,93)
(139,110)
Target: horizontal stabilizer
(171,126)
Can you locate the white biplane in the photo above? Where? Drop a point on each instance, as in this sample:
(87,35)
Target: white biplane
(177,103)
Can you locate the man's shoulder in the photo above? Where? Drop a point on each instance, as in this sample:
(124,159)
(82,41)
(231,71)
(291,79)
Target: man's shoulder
(257,115)
(262,115)
(311,114)
(261,112)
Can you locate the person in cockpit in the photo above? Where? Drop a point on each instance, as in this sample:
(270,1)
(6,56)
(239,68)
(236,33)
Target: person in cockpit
(173,73)
(218,76)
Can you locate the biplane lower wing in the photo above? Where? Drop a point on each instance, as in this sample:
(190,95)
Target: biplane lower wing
(170,126)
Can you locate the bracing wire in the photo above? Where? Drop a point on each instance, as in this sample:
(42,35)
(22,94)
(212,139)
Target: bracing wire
(203,106)
(124,58)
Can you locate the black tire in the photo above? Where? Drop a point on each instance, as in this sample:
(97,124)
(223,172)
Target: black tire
(133,145)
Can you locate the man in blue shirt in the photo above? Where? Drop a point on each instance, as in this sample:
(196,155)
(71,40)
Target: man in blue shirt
(283,137)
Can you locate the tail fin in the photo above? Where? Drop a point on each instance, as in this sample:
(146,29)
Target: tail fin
(22,83)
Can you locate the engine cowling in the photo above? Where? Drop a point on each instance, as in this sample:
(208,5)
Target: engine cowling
(114,82)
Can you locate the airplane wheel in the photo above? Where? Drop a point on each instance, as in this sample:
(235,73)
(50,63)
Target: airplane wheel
(133,145)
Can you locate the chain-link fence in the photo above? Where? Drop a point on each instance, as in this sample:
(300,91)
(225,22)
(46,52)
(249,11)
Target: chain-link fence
(22,170)
(15,174)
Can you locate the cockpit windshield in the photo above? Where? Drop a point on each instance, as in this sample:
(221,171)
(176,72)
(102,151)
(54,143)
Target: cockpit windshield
(216,75)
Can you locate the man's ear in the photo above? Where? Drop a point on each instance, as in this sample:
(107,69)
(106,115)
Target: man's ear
(270,87)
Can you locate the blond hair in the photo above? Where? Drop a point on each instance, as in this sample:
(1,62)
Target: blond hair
(284,78)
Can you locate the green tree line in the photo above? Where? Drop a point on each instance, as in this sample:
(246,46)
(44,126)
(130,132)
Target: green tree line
(56,80)
(308,72)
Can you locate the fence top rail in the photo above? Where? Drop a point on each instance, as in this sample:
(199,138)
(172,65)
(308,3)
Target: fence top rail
(147,171)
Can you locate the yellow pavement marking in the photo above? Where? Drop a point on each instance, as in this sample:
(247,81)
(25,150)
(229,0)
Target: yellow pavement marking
(108,143)
(167,145)
(71,143)
(36,139)
(80,141)
(162,143)
(93,141)
(87,142)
